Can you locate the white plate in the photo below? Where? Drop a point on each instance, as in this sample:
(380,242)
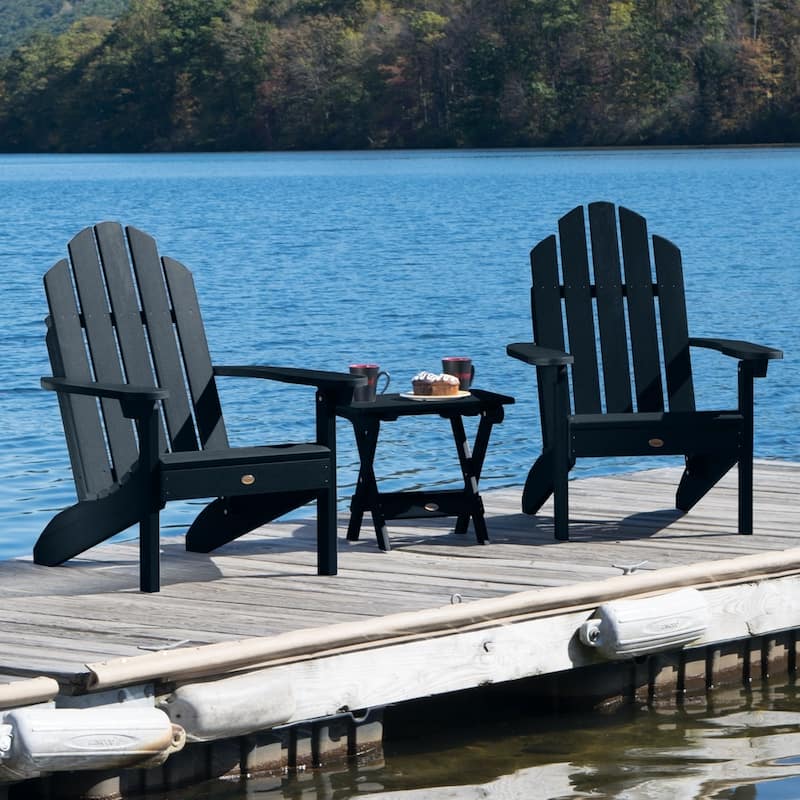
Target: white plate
(412,396)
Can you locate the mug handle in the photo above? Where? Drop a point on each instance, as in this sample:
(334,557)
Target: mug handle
(385,385)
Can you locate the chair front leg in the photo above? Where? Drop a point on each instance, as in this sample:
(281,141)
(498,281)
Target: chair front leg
(327,556)
(149,553)
(748,370)
(561,456)
(149,541)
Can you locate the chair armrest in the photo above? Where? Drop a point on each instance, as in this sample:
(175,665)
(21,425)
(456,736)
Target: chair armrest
(744,351)
(539,356)
(135,400)
(340,384)
(322,379)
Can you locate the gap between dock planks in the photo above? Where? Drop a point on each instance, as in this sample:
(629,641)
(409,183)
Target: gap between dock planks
(57,619)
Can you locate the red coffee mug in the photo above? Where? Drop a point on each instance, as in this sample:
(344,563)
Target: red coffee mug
(461,367)
(367,394)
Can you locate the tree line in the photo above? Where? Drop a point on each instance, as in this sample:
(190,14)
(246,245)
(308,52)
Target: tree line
(19,19)
(312,74)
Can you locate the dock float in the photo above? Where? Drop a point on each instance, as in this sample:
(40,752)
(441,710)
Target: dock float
(248,662)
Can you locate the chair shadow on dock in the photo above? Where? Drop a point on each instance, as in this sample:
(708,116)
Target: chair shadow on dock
(521,529)
(114,566)
(627,507)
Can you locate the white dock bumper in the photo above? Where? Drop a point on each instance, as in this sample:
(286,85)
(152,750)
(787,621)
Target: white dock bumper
(37,740)
(230,707)
(624,629)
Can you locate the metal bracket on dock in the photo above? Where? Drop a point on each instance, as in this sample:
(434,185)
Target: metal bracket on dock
(629,569)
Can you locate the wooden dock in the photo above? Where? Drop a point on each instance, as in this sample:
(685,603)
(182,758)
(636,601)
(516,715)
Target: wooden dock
(438,613)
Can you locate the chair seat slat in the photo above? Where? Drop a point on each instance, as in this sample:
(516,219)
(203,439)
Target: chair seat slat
(244,456)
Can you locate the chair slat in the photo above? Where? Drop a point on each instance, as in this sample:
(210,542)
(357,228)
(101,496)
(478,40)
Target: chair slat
(124,302)
(641,312)
(580,317)
(610,308)
(163,345)
(83,425)
(196,359)
(102,345)
(548,326)
(674,325)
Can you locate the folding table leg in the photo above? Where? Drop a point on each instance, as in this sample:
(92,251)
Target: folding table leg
(464,458)
(366,495)
(489,417)
(471,473)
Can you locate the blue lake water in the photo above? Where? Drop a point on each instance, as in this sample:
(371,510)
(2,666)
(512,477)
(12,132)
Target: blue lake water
(400,257)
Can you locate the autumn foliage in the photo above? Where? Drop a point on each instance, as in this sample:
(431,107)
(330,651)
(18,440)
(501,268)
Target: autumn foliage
(310,74)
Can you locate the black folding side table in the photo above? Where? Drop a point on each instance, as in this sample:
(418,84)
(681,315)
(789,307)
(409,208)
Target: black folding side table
(463,503)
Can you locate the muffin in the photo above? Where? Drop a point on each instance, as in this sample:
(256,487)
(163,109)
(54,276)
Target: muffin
(430,384)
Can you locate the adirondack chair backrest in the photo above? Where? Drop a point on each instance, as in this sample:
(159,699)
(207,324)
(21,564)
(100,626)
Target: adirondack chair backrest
(617,308)
(121,314)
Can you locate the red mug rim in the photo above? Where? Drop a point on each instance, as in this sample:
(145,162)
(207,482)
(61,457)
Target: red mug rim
(363,366)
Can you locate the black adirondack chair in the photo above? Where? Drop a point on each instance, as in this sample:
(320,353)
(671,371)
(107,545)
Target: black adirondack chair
(142,416)
(631,415)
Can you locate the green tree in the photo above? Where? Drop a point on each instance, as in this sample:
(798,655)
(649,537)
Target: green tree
(313,92)
(238,74)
